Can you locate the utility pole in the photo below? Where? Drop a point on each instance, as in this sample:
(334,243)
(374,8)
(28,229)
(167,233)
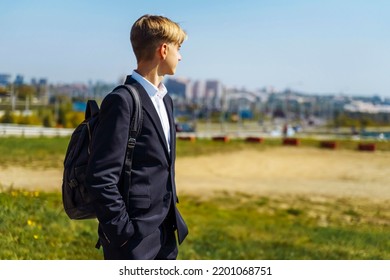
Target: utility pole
(223,111)
(12,98)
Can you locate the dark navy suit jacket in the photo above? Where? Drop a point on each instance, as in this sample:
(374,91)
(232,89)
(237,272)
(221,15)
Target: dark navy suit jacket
(152,187)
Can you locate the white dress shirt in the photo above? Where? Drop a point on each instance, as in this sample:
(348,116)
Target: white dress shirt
(156,95)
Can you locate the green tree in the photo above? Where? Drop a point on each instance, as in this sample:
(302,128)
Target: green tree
(63,110)
(73,119)
(26,91)
(8,117)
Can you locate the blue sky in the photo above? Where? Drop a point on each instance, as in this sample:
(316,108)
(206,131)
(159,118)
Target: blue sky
(311,46)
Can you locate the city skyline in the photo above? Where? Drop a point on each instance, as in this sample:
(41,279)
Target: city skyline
(6,79)
(323,47)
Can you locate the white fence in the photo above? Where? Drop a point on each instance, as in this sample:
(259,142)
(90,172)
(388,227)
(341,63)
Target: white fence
(33,131)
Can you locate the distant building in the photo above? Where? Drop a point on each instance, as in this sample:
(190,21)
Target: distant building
(214,92)
(198,93)
(366,107)
(19,80)
(75,90)
(242,103)
(99,90)
(42,89)
(5,80)
(179,90)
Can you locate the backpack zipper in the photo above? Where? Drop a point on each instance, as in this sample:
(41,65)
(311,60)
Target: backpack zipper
(105,236)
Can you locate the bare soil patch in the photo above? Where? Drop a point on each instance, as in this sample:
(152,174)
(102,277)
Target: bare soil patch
(288,170)
(44,179)
(284,170)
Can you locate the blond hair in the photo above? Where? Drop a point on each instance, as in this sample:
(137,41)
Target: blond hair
(150,31)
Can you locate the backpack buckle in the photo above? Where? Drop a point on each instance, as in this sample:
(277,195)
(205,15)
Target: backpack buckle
(131,142)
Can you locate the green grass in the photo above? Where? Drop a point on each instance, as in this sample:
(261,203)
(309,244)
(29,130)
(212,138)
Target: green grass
(34,226)
(246,227)
(50,152)
(42,151)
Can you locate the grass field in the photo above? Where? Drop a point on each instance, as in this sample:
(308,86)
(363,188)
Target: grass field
(34,226)
(42,151)
(49,152)
(225,225)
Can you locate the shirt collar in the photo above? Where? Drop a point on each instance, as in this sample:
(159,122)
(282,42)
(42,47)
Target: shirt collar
(151,89)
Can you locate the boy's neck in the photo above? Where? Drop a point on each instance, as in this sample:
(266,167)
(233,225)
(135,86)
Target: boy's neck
(150,72)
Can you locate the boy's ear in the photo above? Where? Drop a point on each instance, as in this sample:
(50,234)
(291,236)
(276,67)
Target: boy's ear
(163,50)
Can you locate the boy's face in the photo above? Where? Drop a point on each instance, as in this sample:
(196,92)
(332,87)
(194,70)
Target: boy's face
(172,58)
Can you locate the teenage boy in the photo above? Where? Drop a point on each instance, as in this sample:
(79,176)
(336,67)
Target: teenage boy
(145,229)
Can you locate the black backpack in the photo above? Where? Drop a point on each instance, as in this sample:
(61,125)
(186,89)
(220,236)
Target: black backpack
(76,200)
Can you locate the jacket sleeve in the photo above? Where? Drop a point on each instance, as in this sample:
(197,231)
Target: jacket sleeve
(108,151)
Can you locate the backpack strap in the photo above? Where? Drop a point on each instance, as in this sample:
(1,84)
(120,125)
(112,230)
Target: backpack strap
(91,111)
(134,131)
(136,120)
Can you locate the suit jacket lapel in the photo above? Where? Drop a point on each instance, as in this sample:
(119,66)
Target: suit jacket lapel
(149,108)
(169,106)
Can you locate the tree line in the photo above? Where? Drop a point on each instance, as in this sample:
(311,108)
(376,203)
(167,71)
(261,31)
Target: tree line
(27,105)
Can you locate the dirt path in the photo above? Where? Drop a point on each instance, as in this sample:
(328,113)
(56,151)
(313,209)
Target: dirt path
(289,171)
(48,179)
(284,170)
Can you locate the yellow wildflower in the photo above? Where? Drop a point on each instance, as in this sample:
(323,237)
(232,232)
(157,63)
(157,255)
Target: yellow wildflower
(30,223)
